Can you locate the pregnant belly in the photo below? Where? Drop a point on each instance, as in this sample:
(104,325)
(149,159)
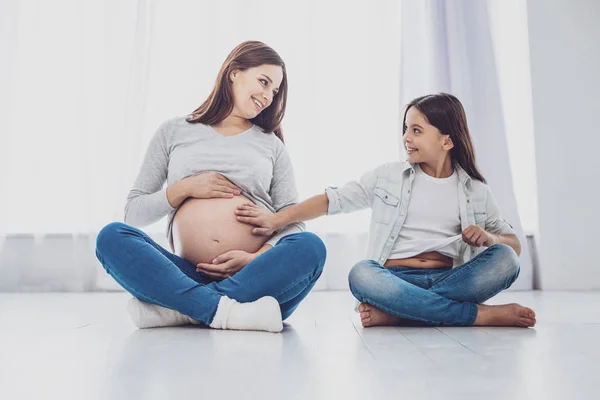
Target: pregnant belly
(206,228)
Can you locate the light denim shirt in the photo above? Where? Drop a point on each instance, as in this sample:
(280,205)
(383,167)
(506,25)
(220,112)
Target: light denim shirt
(387,189)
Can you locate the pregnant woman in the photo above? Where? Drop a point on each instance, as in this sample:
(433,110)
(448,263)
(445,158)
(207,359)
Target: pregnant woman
(228,152)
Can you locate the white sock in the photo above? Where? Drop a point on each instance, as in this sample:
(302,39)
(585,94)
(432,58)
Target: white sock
(263,314)
(146,315)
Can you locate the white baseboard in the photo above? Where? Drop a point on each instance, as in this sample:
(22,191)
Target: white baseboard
(67,263)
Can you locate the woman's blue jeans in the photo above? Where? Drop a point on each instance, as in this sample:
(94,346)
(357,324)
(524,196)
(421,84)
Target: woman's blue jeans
(286,272)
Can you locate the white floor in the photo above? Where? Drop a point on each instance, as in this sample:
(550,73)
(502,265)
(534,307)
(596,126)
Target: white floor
(82,346)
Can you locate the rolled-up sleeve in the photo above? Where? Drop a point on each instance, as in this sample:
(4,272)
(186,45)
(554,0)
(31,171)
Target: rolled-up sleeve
(353,196)
(494,222)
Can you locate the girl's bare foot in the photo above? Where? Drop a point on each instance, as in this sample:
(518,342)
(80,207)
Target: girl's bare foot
(371,316)
(505,315)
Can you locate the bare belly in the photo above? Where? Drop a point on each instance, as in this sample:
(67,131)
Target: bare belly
(206,228)
(431,259)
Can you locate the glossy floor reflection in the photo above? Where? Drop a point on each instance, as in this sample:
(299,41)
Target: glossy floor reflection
(82,346)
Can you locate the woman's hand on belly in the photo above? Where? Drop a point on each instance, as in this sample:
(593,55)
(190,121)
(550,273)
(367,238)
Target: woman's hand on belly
(227,264)
(209,185)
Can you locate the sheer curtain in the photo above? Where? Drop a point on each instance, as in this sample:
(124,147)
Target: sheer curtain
(90,81)
(450,46)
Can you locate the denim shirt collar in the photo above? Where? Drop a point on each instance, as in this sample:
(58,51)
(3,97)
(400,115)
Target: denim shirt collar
(463,177)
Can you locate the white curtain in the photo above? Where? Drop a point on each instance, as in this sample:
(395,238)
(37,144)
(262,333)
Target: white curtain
(84,85)
(88,82)
(448,46)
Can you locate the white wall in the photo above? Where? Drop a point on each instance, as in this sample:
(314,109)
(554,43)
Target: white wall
(565,65)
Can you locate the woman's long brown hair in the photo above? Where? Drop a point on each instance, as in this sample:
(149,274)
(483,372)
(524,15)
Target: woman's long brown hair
(446,113)
(219,103)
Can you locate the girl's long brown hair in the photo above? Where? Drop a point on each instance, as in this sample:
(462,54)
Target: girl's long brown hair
(446,113)
(219,103)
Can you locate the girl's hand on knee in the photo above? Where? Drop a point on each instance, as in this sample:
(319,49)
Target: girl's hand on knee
(226,265)
(476,236)
(265,221)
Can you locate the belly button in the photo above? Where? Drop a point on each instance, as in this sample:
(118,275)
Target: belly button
(216,240)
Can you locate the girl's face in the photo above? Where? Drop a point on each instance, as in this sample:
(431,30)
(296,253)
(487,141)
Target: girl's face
(254,89)
(423,142)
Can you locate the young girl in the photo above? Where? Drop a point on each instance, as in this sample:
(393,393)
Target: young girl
(227,152)
(438,246)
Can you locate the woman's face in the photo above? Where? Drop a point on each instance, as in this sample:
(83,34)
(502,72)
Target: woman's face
(254,89)
(423,142)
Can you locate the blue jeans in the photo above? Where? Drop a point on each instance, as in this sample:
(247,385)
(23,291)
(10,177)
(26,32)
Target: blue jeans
(286,272)
(441,296)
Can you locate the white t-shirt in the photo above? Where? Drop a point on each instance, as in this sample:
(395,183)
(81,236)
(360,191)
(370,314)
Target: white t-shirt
(432,220)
